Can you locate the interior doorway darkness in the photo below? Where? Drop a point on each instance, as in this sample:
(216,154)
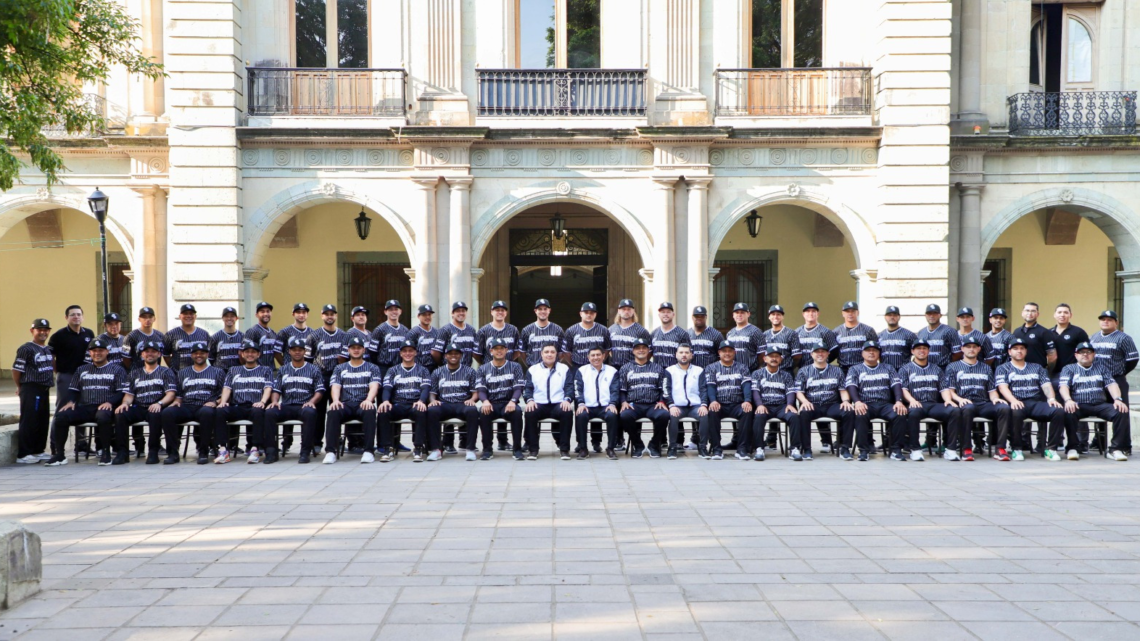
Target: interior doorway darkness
(568,271)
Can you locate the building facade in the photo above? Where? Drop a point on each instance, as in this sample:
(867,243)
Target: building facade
(893,152)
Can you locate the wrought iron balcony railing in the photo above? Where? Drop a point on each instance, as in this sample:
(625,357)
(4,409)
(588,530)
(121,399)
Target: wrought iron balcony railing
(811,91)
(281,91)
(114,120)
(562,92)
(1072,113)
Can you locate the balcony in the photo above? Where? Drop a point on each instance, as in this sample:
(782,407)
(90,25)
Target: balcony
(1072,113)
(279,91)
(114,120)
(562,93)
(793,93)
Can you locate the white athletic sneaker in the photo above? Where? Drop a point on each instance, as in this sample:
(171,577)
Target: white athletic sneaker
(30,459)
(471,455)
(691,446)
(741,456)
(796,456)
(44,456)
(223,457)
(367,457)
(825,449)
(916,455)
(435,455)
(330,458)
(254,455)
(1117,455)
(950,455)
(1073,455)
(759,454)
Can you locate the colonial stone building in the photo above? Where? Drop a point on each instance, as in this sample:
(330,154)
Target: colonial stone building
(975,152)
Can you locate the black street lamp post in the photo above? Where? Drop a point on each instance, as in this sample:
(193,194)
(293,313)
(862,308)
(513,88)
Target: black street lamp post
(97,201)
(363,224)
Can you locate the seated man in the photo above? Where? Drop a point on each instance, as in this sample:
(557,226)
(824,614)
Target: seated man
(549,391)
(774,394)
(1083,386)
(596,390)
(644,394)
(688,395)
(500,386)
(1027,388)
(245,394)
(819,388)
(728,390)
(152,387)
(453,396)
(199,389)
(355,386)
(405,395)
(969,384)
(296,392)
(97,388)
(873,386)
(922,387)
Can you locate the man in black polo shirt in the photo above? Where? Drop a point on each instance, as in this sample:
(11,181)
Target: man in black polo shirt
(69,346)
(1039,344)
(1066,337)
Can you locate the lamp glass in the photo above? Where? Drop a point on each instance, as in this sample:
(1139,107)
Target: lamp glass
(363,225)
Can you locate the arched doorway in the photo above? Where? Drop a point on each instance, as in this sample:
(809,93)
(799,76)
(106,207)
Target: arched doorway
(595,260)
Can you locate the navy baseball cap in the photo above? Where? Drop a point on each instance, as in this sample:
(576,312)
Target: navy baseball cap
(542,302)
(497,304)
(496,342)
(589,307)
(725,345)
(155,345)
(145,311)
(1084,345)
(625,302)
(640,342)
(425,309)
(1015,342)
(300,307)
(782,353)
(329,309)
(296,341)
(356,341)
(249,344)
(112,318)
(263,305)
(408,343)
(891,309)
(452,347)
(965,311)
(1108,313)
(819,346)
(933,309)
(776,309)
(971,340)
(919,342)
(392,303)
(359,309)
(458,305)
(187,309)
(872,345)
(700,310)
(229,310)
(41,323)
(849,305)
(741,307)
(810,305)
(998,311)
(665,305)
(199,346)
(97,343)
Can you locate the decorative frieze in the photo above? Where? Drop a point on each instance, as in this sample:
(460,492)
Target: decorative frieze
(750,157)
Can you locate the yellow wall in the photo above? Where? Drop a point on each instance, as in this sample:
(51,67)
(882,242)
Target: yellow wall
(805,273)
(1074,274)
(41,283)
(308,273)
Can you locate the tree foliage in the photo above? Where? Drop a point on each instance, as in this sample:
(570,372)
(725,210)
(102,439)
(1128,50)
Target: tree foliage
(583,35)
(49,49)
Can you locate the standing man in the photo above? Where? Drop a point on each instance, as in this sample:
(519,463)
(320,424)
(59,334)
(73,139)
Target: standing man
(811,334)
(116,342)
(69,346)
(1116,350)
(1083,387)
(355,388)
(152,387)
(783,338)
(384,344)
(746,338)
(1066,337)
(966,330)
(497,328)
(998,337)
(199,390)
(969,384)
(538,334)
(686,391)
(425,337)
(299,329)
(596,390)
(821,392)
(329,346)
(728,390)
(1027,388)
(262,334)
(500,386)
(226,342)
(774,395)
(97,388)
(179,339)
(704,340)
(453,396)
(667,338)
(876,391)
(458,331)
(549,394)
(644,393)
(942,339)
(132,357)
(624,333)
(922,387)
(895,340)
(245,395)
(851,336)
(34,374)
(407,387)
(1038,341)
(296,391)
(360,325)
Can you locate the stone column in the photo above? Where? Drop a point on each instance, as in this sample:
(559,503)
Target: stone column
(436,68)
(970,247)
(866,292)
(648,305)
(424,282)
(473,305)
(970,74)
(459,246)
(664,239)
(254,284)
(152,288)
(698,241)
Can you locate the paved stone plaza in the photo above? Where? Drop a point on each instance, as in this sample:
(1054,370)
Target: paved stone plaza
(647,549)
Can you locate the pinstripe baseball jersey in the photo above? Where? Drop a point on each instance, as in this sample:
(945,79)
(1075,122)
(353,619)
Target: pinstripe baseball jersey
(896,346)
(1114,350)
(621,342)
(224,348)
(116,348)
(820,386)
(425,342)
(198,388)
(136,338)
(851,341)
(384,344)
(578,341)
(268,343)
(728,382)
(972,382)
(464,337)
(943,343)
(749,343)
(533,338)
(1087,384)
(327,348)
(509,333)
(98,385)
(177,345)
(453,386)
(362,334)
(297,385)
(923,383)
(407,385)
(148,388)
(247,385)
(500,384)
(664,345)
(874,383)
(786,340)
(646,383)
(284,335)
(35,364)
(773,388)
(987,347)
(704,345)
(818,335)
(1024,382)
(999,342)
(354,381)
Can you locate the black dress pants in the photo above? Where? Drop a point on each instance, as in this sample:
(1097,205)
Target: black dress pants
(335,419)
(138,414)
(174,417)
(105,421)
(437,414)
(401,411)
(531,429)
(498,411)
(628,419)
(35,419)
(712,441)
(582,426)
(275,416)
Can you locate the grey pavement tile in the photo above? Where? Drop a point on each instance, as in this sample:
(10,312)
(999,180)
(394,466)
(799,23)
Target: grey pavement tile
(154,634)
(428,613)
(91,618)
(1100,631)
(597,631)
(332,630)
(745,631)
(250,633)
(982,611)
(923,630)
(492,613)
(1053,611)
(898,611)
(1012,631)
(358,613)
(178,616)
(837,630)
(202,596)
(421,632)
(732,611)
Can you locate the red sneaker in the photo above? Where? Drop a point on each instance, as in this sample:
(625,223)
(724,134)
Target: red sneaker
(967,455)
(1001,455)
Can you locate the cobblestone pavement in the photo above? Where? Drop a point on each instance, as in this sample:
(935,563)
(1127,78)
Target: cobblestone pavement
(638,549)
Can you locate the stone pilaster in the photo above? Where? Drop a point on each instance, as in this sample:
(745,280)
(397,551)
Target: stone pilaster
(459,246)
(424,284)
(675,63)
(664,240)
(436,64)
(698,242)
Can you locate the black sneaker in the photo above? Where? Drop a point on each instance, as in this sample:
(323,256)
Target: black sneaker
(356,450)
(170,460)
(271,455)
(597,448)
(303,457)
(611,454)
(566,455)
(897,456)
(503,447)
(673,453)
(654,451)
(703,452)
(140,450)
(204,458)
(519,455)
(152,458)
(863,456)
(583,454)
(487,455)
(105,457)
(638,451)
(845,453)
(450,449)
(121,458)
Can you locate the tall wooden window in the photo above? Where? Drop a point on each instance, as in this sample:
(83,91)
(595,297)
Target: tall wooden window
(331,33)
(563,34)
(786,33)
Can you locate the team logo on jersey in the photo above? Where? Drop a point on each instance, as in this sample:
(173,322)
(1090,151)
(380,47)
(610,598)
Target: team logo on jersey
(1033,336)
(1066,337)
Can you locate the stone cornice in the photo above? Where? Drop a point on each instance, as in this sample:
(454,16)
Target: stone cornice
(1003,143)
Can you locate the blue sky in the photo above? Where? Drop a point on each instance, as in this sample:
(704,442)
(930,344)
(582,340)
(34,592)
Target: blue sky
(534,17)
